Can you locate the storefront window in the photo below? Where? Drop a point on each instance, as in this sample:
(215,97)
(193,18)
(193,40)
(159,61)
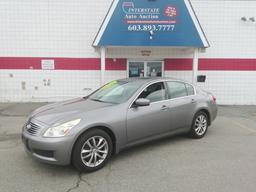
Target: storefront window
(136,69)
(146,69)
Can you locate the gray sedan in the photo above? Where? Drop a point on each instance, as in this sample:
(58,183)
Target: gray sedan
(123,113)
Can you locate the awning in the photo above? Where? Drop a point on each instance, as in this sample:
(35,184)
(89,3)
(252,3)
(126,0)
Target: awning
(151,23)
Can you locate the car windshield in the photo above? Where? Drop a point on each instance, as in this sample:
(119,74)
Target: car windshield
(115,92)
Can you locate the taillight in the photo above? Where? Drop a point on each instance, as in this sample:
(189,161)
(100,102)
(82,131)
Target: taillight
(214,98)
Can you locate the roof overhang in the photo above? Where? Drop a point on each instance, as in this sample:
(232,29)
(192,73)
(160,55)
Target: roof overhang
(158,23)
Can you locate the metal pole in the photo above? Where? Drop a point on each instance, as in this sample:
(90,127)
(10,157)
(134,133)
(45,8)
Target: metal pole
(195,66)
(102,65)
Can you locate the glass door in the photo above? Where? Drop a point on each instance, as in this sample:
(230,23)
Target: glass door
(154,69)
(136,69)
(145,68)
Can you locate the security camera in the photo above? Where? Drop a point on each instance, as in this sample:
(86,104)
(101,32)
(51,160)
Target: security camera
(252,19)
(244,19)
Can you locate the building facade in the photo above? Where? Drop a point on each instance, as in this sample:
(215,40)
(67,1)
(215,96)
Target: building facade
(47,52)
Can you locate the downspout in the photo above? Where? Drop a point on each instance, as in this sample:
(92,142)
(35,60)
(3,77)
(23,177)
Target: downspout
(102,65)
(195,66)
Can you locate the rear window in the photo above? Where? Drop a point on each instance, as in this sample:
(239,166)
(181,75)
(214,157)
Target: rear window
(176,90)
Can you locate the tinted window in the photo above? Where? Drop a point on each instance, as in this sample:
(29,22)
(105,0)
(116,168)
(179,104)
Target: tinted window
(155,92)
(176,89)
(190,89)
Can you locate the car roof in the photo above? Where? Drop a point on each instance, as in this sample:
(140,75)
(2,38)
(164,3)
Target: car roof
(143,80)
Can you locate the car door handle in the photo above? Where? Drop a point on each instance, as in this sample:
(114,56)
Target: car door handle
(193,101)
(164,107)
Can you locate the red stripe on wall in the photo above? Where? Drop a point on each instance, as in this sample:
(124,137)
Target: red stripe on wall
(19,63)
(211,64)
(227,64)
(77,64)
(60,63)
(116,64)
(178,64)
(23,63)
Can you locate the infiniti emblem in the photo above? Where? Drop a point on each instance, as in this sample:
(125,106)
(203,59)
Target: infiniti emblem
(28,126)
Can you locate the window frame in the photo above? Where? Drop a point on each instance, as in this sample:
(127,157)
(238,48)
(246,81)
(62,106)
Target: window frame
(179,83)
(166,89)
(187,88)
(152,83)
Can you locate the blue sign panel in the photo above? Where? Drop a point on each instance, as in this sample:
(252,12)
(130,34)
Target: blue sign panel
(151,23)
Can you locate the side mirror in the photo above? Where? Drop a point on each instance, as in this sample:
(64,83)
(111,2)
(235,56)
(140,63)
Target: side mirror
(142,102)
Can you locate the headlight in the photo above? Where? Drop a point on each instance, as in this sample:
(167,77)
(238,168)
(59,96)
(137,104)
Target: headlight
(61,130)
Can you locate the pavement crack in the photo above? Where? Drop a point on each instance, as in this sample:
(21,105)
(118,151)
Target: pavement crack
(78,182)
(85,181)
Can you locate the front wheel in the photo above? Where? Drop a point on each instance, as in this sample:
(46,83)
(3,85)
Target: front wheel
(199,126)
(92,150)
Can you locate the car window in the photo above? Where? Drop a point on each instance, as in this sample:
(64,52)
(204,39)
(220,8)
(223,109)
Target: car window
(155,92)
(190,89)
(176,89)
(115,92)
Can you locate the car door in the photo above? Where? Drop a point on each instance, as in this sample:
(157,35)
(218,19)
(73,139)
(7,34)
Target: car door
(182,103)
(150,120)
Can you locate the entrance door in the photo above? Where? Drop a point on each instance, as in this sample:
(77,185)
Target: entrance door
(136,69)
(145,68)
(154,69)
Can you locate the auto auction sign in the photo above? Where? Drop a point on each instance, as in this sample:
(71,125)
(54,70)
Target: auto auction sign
(149,18)
(151,23)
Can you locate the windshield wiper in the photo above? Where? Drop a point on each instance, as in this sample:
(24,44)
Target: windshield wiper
(98,100)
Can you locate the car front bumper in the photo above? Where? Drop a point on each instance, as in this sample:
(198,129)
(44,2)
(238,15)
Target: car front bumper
(49,150)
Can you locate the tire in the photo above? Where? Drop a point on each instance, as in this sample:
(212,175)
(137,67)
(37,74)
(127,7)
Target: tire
(199,125)
(88,154)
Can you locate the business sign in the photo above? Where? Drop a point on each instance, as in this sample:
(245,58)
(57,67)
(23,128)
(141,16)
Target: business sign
(149,18)
(151,23)
(47,64)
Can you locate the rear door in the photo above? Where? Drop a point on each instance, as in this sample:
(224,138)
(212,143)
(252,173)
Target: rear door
(150,120)
(182,104)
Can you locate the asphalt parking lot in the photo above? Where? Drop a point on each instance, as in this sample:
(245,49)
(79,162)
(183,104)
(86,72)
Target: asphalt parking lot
(225,160)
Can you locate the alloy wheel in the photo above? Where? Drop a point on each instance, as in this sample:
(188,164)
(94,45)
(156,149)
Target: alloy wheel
(94,151)
(201,125)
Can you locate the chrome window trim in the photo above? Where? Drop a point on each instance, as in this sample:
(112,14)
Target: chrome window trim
(164,81)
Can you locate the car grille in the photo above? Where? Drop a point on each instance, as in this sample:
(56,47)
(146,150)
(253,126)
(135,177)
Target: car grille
(32,128)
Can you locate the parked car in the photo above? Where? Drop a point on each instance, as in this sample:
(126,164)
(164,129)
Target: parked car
(87,131)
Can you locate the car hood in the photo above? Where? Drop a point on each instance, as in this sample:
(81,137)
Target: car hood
(52,113)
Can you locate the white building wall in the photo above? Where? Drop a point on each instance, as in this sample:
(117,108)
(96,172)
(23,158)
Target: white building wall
(228,35)
(66,29)
(38,85)
(50,28)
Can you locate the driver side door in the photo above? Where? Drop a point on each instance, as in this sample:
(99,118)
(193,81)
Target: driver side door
(143,122)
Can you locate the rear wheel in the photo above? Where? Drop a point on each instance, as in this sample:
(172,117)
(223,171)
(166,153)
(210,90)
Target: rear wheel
(92,150)
(199,126)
